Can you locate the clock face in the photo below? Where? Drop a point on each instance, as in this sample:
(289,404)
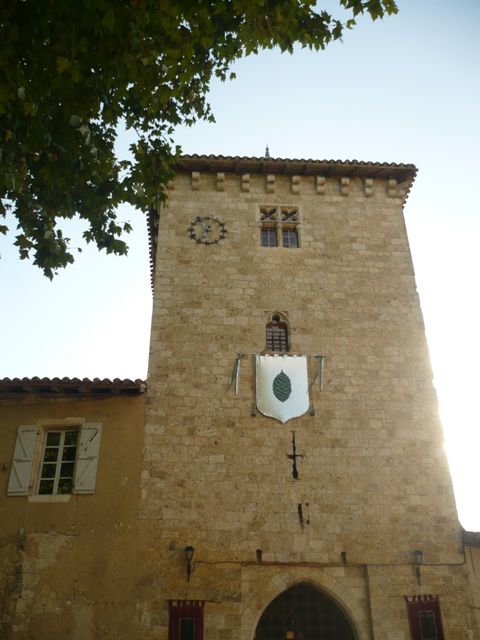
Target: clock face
(207,230)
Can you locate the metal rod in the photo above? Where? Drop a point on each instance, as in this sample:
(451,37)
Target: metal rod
(253,411)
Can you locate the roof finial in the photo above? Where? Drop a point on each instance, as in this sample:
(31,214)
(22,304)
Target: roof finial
(267,151)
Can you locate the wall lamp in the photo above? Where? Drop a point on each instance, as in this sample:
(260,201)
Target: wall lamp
(417,562)
(189,558)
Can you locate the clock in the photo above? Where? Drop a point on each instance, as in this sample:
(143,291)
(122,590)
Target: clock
(207,230)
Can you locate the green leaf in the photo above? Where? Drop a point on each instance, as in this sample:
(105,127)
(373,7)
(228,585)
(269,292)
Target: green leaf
(69,76)
(63,64)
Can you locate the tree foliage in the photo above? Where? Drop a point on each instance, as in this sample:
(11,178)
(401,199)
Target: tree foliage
(71,71)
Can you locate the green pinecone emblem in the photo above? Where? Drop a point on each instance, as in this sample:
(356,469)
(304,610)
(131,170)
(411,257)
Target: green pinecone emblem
(282,387)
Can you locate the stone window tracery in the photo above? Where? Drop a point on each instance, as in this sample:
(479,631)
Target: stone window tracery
(279,227)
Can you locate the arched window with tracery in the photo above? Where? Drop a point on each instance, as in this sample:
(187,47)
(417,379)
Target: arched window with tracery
(277,334)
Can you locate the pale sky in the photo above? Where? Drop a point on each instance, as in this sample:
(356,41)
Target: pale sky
(405,89)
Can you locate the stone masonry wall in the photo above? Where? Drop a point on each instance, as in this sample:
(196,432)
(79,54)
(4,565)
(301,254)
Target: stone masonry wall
(70,567)
(473,566)
(373,480)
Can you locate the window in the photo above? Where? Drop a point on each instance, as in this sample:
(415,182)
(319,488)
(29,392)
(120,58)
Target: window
(269,237)
(187,629)
(268,229)
(279,223)
(58,462)
(424,617)
(277,334)
(186,620)
(427,625)
(290,238)
(55,459)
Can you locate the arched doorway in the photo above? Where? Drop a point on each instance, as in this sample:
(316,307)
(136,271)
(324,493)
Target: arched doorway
(303,613)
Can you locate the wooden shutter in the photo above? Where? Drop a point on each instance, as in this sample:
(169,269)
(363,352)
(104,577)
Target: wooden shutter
(87,459)
(21,470)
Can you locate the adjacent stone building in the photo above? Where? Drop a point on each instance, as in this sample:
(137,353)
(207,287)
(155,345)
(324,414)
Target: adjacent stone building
(66,558)
(208,519)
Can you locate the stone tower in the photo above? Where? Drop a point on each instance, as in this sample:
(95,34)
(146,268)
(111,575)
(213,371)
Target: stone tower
(253,255)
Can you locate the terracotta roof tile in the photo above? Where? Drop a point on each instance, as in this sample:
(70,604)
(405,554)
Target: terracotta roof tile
(306,166)
(71,386)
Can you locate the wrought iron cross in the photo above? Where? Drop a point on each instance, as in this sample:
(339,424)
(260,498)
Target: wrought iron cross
(293,457)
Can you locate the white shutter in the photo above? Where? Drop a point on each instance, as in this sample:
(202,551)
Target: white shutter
(87,458)
(21,470)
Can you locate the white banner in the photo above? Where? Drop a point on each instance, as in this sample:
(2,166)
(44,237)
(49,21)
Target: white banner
(282,386)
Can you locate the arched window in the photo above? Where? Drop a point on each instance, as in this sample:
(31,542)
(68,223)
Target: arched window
(277,334)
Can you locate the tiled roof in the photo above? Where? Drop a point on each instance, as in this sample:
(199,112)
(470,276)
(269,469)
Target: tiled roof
(71,386)
(296,166)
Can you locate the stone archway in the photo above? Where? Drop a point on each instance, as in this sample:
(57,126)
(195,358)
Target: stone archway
(303,612)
